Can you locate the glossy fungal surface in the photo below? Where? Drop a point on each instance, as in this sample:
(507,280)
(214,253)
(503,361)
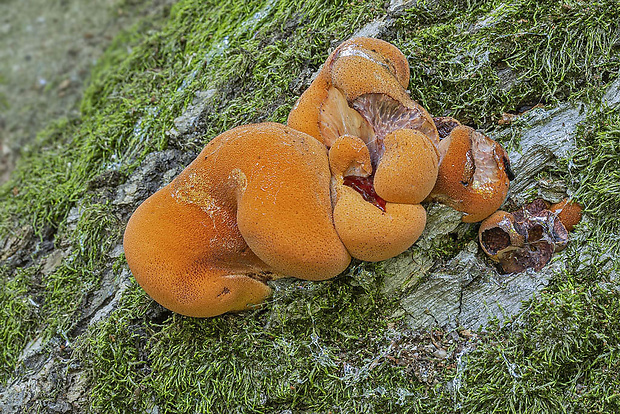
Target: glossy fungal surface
(344,179)
(359,98)
(474,173)
(569,212)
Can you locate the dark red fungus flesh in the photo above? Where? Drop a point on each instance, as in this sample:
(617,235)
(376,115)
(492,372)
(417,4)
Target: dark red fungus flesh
(495,240)
(364,186)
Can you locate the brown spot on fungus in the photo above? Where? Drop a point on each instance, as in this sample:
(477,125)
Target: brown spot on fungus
(474,174)
(531,209)
(254,205)
(534,255)
(538,222)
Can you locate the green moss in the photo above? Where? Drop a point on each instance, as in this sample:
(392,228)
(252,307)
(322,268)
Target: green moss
(67,287)
(143,81)
(478,59)
(17,314)
(318,346)
(565,358)
(593,171)
(47,305)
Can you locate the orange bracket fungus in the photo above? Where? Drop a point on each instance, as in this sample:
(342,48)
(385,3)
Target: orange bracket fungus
(474,171)
(254,205)
(370,228)
(526,238)
(345,178)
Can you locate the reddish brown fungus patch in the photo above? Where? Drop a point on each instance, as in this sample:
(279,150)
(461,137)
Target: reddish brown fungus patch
(445,125)
(364,186)
(531,209)
(539,232)
(532,256)
(495,240)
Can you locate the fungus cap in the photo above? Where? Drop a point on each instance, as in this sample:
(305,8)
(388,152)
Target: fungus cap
(178,266)
(523,239)
(497,234)
(371,234)
(370,228)
(569,212)
(359,107)
(379,51)
(508,242)
(408,169)
(349,156)
(358,67)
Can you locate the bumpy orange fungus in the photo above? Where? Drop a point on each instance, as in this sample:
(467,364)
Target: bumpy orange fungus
(569,213)
(359,100)
(344,179)
(254,205)
(370,228)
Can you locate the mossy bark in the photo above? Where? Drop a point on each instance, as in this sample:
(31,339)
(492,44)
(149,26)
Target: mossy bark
(80,334)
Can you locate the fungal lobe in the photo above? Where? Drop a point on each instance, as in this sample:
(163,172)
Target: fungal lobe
(474,172)
(569,213)
(360,94)
(234,218)
(345,178)
(370,228)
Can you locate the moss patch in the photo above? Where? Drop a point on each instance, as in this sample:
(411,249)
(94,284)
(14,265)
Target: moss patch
(319,347)
(478,59)
(16,314)
(565,358)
